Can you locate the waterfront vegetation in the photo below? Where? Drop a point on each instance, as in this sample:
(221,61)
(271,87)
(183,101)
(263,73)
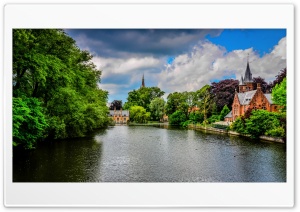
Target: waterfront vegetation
(56,95)
(55,88)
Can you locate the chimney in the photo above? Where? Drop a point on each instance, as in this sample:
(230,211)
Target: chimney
(258,86)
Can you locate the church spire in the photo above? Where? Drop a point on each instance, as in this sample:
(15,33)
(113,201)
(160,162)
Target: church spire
(143,82)
(248,74)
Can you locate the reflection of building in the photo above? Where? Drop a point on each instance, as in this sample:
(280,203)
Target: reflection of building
(248,98)
(119,116)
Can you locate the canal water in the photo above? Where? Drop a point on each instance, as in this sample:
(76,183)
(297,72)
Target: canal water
(152,154)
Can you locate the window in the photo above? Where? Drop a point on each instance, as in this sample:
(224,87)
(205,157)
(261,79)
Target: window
(264,108)
(117,119)
(124,119)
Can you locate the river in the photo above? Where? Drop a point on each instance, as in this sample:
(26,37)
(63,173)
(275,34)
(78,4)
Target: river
(152,154)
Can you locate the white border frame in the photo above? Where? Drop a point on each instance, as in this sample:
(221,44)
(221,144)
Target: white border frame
(147,16)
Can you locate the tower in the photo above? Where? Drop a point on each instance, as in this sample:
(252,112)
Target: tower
(143,82)
(246,83)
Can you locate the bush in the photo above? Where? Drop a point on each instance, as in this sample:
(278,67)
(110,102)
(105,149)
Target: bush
(213,119)
(177,118)
(196,117)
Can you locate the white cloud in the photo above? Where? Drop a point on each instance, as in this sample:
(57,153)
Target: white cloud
(208,62)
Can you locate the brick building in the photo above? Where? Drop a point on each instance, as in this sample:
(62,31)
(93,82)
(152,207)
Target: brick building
(119,116)
(247,98)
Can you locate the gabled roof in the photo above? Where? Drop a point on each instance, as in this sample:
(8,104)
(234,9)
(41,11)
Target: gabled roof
(229,115)
(245,98)
(269,98)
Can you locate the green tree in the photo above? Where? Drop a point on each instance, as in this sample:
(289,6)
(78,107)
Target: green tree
(142,97)
(205,101)
(224,112)
(139,114)
(177,118)
(48,65)
(262,122)
(196,117)
(279,94)
(157,108)
(29,122)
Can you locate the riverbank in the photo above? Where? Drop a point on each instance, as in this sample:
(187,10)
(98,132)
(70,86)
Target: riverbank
(262,137)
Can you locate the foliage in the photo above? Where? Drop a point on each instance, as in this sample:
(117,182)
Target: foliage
(223,92)
(279,78)
(177,118)
(177,101)
(196,117)
(48,65)
(279,94)
(213,119)
(157,108)
(139,114)
(142,97)
(239,125)
(224,112)
(264,85)
(261,122)
(205,101)
(29,122)
(116,104)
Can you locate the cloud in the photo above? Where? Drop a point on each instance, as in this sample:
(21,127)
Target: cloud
(208,62)
(126,43)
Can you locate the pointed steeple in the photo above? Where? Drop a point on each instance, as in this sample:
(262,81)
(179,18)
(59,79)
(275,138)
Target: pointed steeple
(248,74)
(143,82)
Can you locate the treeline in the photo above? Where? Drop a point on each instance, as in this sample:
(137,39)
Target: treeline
(55,91)
(209,104)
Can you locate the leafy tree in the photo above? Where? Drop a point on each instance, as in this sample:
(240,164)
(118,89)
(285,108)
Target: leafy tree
(205,101)
(177,118)
(157,108)
(116,104)
(139,114)
(196,117)
(279,94)
(279,78)
(265,87)
(48,66)
(223,92)
(239,125)
(29,122)
(142,97)
(174,101)
(262,122)
(224,112)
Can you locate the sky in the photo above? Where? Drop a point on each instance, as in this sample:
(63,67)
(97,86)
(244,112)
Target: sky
(180,59)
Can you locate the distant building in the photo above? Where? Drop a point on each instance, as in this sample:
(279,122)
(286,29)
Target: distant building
(119,116)
(248,98)
(143,82)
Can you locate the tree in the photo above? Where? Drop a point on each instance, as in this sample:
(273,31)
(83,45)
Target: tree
(139,114)
(157,108)
(48,66)
(116,104)
(279,78)
(224,112)
(205,101)
(177,118)
(262,122)
(29,122)
(196,117)
(223,92)
(142,97)
(265,87)
(279,94)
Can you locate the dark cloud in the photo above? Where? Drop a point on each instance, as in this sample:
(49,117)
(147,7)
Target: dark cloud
(126,43)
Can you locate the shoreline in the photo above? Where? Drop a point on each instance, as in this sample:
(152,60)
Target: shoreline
(262,137)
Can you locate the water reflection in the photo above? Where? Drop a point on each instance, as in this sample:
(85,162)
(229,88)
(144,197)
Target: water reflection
(152,154)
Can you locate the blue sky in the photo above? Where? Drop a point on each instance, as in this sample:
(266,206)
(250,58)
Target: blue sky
(180,59)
